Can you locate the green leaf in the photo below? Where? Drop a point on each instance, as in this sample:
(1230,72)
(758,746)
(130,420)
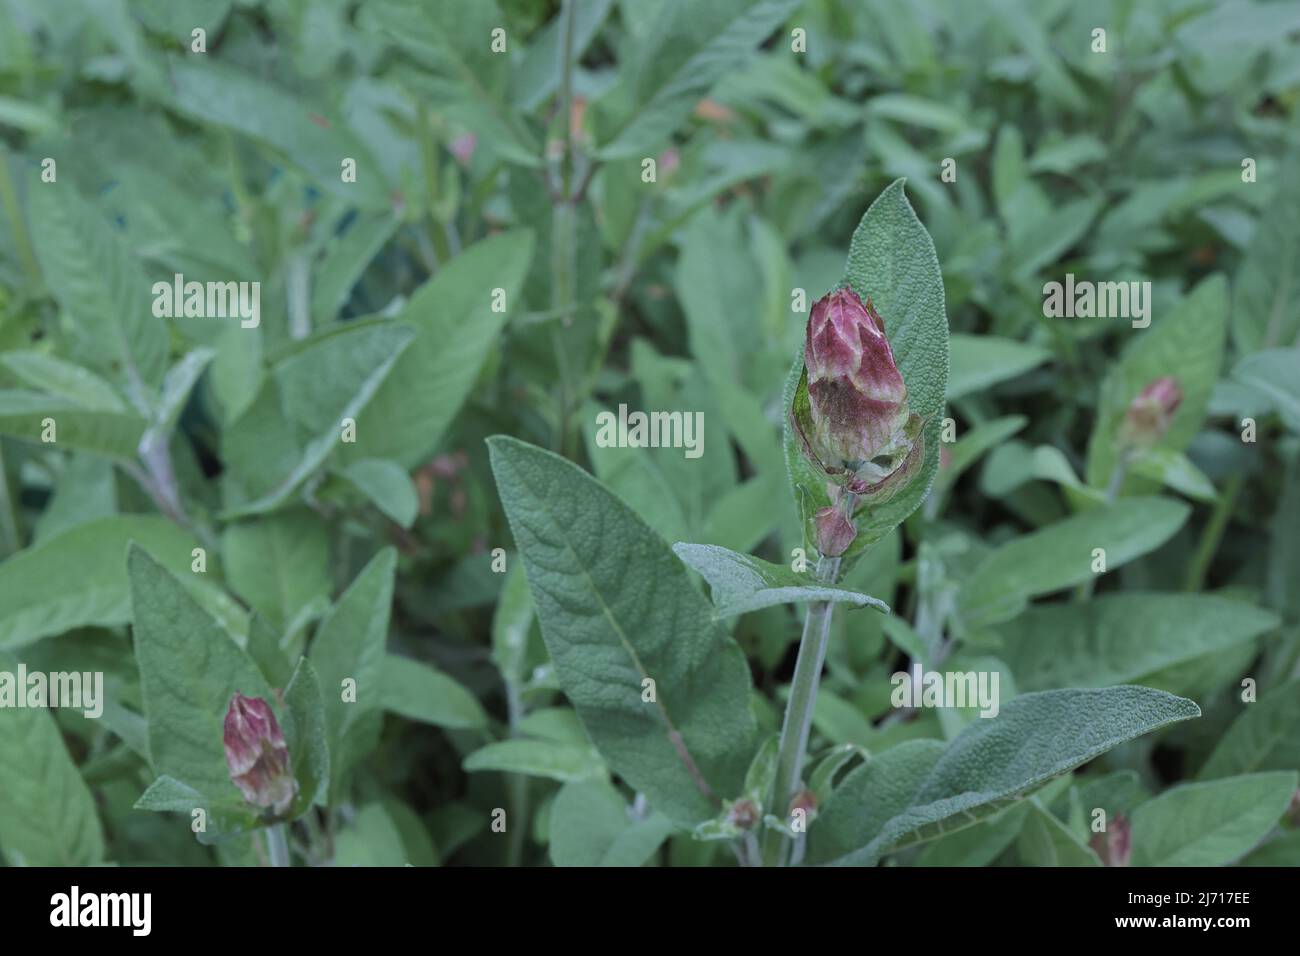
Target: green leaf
(323,383)
(47,813)
(101,287)
(461,72)
(1046,841)
(176,387)
(1122,638)
(115,435)
(349,645)
(1061,555)
(700,47)
(537,758)
(418,692)
(1187,344)
(617,609)
(189,671)
(306,736)
(977,845)
(929,789)
(1266,288)
(224,818)
(1209,824)
(892,261)
(79,579)
(980,361)
(66,380)
(371,839)
(511,622)
(591,825)
(279,563)
(1265,737)
(743,583)
(388,486)
(1272,374)
(310,136)
(1175,470)
(455,329)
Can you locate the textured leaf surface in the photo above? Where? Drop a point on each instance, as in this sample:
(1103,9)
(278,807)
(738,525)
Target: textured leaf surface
(101,286)
(616,607)
(742,582)
(189,671)
(1034,738)
(1121,638)
(349,644)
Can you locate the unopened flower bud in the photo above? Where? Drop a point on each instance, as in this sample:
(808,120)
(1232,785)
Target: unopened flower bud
(856,427)
(806,801)
(834,532)
(743,814)
(1148,416)
(257,756)
(1115,846)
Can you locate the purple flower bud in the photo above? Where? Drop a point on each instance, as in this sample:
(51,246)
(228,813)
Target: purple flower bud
(856,427)
(257,755)
(1148,416)
(1115,846)
(834,532)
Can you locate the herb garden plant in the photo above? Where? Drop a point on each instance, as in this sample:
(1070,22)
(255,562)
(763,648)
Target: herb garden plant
(529,433)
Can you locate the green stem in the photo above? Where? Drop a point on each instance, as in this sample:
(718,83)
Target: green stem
(1212,535)
(518,783)
(563,245)
(277,845)
(799,708)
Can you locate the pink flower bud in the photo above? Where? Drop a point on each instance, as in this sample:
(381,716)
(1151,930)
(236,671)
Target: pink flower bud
(856,426)
(1148,416)
(834,532)
(257,755)
(804,800)
(1115,845)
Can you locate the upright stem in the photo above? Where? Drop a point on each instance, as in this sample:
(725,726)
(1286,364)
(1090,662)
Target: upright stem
(1212,535)
(518,783)
(277,844)
(799,708)
(563,234)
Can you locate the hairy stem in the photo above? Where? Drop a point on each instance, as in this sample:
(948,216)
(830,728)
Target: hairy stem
(799,708)
(277,845)
(1212,535)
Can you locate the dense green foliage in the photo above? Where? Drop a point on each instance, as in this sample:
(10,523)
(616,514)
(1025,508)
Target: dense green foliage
(382,501)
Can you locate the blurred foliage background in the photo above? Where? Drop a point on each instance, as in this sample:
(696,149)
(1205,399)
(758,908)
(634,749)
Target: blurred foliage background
(520,176)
